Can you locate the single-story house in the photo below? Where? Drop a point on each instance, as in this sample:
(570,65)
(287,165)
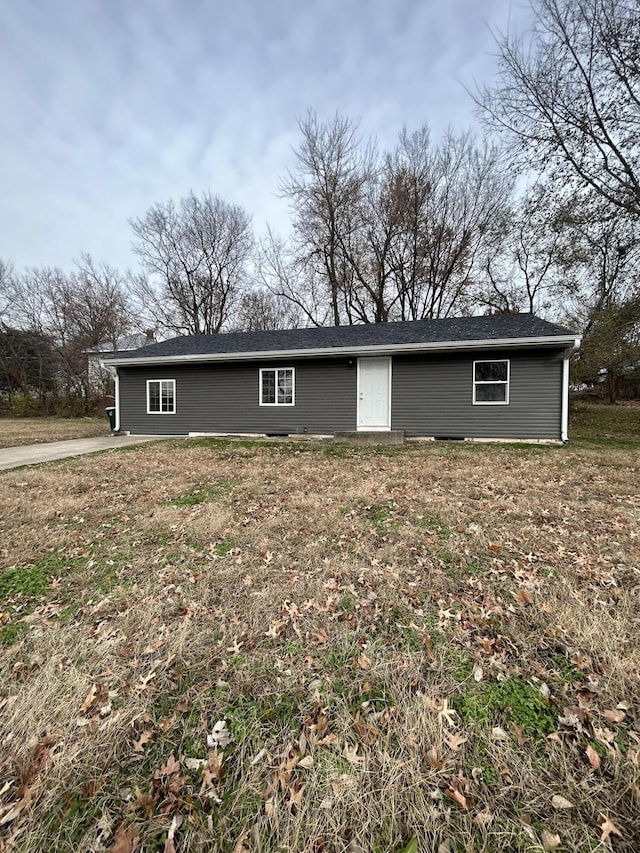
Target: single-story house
(504,376)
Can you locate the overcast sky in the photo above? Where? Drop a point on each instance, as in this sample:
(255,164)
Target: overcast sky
(107,106)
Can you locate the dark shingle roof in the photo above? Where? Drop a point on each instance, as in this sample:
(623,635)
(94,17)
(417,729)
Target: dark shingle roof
(496,327)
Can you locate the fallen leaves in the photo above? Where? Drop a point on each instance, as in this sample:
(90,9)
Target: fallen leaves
(125,841)
(594,758)
(523,597)
(220,736)
(456,789)
(447,714)
(614,715)
(172,766)
(13,810)
(607,828)
(146,736)
(550,841)
(561,803)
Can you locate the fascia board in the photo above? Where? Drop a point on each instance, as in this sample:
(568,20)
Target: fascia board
(376,349)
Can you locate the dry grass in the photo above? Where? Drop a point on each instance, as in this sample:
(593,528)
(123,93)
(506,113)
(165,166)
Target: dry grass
(332,606)
(20,431)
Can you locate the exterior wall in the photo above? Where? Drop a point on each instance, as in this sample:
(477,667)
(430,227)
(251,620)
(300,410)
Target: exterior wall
(224,398)
(431,396)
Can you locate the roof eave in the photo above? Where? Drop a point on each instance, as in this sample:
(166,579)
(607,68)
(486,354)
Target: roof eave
(375,349)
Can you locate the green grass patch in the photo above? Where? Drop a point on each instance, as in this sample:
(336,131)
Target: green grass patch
(433,524)
(613,426)
(511,701)
(32,581)
(12,632)
(223,547)
(204,493)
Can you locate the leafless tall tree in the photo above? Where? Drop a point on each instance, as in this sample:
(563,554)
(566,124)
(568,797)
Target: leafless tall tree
(195,255)
(568,94)
(324,190)
(73,311)
(380,237)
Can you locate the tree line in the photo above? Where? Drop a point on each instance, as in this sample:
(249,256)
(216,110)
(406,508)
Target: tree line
(541,214)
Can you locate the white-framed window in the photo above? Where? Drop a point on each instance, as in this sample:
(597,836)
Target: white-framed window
(491,382)
(277,386)
(161,396)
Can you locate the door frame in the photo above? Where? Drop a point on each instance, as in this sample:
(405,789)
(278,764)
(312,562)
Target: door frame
(364,428)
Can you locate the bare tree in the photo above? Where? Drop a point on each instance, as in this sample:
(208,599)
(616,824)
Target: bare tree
(195,255)
(568,94)
(292,276)
(449,197)
(385,237)
(332,168)
(260,310)
(73,312)
(6,275)
(528,264)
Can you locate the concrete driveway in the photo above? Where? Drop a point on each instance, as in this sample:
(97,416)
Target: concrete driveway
(33,454)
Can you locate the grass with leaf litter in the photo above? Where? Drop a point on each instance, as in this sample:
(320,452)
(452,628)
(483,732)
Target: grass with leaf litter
(277,647)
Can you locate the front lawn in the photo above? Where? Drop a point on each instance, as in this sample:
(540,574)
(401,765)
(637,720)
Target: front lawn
(20,431)
(242,646)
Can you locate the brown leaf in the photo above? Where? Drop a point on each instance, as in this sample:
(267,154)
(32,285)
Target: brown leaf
(523,597)
(144,738)
(364,662)
(214,764)
(125,840)
(322,638)
(433,759)
(239,846)
(15,809)
(455,740)
(608,828)
(172,766)
(495,548)
(368,734)
(614,715)
(295,796)
(550,841)
(427,647)
(91,698)
(455,793)
(519,733)
(594,758)
(144,802)
(483,818)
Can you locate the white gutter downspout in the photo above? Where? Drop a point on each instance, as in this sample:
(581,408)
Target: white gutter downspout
(564,430)
(116,392)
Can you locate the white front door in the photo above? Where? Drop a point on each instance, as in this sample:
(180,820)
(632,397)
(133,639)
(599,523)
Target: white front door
(374,393)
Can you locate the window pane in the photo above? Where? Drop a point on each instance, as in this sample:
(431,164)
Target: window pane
(491,393)
(154,396)
(285,386)
(167,396)
(491,371)
(268,386)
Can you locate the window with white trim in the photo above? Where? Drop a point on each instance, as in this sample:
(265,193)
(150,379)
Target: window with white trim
(277,386)
(161,396)
(491,382)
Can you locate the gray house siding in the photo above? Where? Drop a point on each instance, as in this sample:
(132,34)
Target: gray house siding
(434,396)
(224,398)
(431,396)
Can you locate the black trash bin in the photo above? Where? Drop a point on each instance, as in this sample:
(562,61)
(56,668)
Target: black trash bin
(111,414)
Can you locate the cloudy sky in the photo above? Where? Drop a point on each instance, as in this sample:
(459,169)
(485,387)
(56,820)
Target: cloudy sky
(107,106)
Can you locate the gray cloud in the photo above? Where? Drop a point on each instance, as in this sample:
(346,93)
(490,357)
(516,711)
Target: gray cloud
(108,107)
